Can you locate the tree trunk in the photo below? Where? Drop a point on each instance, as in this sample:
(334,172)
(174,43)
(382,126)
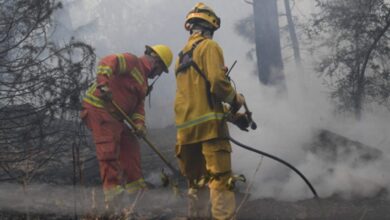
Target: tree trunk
(268,50)
(359,96)
(293,35)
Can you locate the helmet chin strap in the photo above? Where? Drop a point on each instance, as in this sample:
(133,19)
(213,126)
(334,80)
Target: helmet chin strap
(205,32)
(150,88)
(149,91)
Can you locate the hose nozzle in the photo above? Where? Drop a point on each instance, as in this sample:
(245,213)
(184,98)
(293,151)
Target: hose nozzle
(249,115)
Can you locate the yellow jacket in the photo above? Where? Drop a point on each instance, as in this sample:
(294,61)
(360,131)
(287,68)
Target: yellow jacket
(195,119)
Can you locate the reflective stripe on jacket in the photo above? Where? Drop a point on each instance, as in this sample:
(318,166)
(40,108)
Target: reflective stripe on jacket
(195,119)
(125,75)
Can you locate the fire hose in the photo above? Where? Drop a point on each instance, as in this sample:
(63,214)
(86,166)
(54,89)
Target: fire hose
(253,126)
(277,159)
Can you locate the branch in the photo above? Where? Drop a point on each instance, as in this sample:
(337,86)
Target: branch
(373,45)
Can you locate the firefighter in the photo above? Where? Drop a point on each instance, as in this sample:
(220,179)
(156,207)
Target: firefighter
(203,149)
(122,78)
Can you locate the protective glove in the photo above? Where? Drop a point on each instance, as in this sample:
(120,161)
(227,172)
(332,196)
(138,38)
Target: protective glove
(240,120)
(238,101)
(105,93)
(140,130)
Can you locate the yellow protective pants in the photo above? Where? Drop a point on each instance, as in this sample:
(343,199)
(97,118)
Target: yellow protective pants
(204,160)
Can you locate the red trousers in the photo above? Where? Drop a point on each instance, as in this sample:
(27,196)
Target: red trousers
(117,150)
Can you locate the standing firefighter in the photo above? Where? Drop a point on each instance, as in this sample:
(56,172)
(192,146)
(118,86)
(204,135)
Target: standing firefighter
(121,78)
(202,148)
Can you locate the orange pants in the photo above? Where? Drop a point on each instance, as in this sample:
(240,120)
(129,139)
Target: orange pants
(117,150)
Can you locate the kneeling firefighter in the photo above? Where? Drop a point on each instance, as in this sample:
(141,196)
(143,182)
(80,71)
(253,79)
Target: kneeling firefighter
(203,149)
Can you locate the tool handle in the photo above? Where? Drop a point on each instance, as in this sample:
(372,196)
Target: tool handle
(230,69)
(132,125)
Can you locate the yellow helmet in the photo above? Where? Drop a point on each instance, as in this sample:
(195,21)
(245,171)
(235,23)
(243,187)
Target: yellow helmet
(163,52)
(202,12)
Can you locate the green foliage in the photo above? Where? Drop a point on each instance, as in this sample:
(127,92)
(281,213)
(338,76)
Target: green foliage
(356,39)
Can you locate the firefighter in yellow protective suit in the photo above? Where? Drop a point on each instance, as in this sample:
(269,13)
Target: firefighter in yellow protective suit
(203,149)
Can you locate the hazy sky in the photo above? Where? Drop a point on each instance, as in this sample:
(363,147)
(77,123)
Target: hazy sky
(285,125)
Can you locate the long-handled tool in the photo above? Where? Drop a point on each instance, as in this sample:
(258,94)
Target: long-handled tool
(131,125)
(164,177)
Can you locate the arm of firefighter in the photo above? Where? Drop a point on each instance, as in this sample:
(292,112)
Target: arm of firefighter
(138,117)
(215,70)
(106,68)
(110,65)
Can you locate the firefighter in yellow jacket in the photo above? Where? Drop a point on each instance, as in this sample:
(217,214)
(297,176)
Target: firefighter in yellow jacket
(202,148)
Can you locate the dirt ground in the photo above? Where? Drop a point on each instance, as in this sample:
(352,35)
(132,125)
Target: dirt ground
(161,204)
(334,208)
(326,209)
(266,209)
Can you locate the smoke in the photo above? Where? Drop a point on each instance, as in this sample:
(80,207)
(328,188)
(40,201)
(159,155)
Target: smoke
(286,125)
(287,128)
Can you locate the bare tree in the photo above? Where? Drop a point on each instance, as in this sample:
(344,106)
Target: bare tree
(40,87)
